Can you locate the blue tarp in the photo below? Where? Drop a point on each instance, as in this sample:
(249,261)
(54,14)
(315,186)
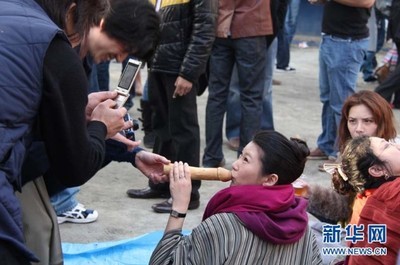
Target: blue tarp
(133,251)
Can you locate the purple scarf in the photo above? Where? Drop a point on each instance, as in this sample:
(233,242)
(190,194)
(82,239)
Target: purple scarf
(272,213)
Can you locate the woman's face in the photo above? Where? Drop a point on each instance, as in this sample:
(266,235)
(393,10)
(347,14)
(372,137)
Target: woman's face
(246,170)
(387,152)
(361,121)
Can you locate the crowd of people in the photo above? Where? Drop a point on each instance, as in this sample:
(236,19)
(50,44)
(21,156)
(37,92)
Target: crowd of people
(50,54)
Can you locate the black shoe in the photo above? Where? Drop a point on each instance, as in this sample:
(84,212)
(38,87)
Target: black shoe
(371,78)
(149,139)
(147,193)
(166,206)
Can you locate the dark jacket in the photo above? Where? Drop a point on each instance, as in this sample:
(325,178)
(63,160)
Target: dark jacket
(21,62)
(187,32)
(394,22)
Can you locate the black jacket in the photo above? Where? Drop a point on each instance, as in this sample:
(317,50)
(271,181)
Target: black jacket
(187,32)
(394,22)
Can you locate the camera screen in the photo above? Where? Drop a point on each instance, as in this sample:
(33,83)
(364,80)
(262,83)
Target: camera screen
(127,76)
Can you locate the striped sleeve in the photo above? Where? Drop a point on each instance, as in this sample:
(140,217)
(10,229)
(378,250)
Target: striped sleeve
(223,239)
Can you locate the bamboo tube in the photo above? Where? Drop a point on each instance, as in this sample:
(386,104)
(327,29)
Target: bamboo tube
(201,173)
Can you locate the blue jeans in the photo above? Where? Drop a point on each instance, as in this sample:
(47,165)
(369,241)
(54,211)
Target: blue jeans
(285,36)
(65,200)
(233,114)
(370,63)
(145,95)
(339,65)
(250,58)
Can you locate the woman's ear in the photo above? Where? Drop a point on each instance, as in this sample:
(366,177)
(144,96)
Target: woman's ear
(377,171)
(270,180)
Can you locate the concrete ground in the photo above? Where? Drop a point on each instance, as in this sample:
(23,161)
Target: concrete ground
(297,111)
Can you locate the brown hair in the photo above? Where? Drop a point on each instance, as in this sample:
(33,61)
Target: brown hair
(357,158)
(381,112)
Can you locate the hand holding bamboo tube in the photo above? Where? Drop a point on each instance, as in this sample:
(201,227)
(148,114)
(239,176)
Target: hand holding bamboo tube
(201,173)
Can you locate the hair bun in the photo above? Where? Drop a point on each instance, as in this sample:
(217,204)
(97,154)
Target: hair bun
(302,146)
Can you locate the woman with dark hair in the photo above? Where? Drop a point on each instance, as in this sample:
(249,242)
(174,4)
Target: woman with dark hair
(257,220)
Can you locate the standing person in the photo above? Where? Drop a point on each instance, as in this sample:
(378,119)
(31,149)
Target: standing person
(187,34)
(285,36)
(257,220)
(244,33)
(377,31)
(233,115)
(343,47)
(57,97)
(29,43)
(126,31)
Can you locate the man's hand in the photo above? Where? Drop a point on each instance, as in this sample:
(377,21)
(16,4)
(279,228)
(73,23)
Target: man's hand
(130,145)
(352,3)
(314,2)
(182,87)
(111,117)
(152,166)
(357,3)
(95,99)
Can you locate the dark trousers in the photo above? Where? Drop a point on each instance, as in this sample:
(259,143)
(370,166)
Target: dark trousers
(391,85)
(175,124)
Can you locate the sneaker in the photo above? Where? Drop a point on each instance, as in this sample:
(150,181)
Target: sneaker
(317,154)
(286,69)
(79,215)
